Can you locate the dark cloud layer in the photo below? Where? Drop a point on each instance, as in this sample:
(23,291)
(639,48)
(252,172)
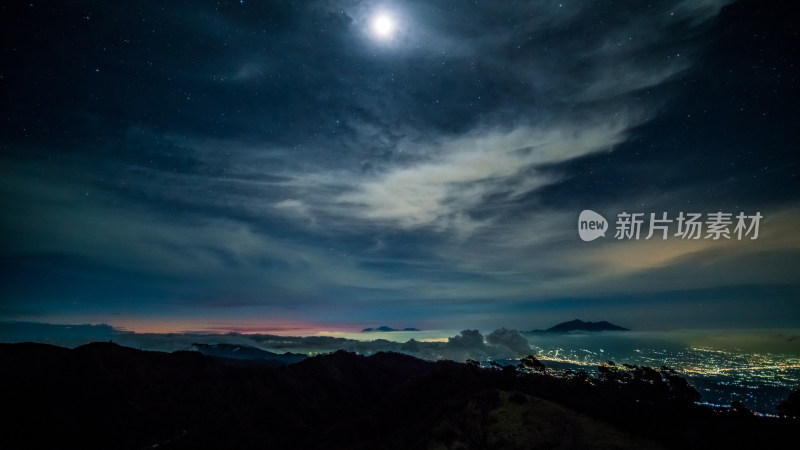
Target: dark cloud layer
(209,164)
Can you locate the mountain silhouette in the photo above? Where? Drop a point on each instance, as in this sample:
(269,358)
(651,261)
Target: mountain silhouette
(579,325)
(384,328)
(102,395)
(243,352)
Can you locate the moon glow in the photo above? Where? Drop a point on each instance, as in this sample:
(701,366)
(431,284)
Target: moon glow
(383,26)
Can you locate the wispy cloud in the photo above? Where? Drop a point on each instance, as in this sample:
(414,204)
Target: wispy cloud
(306,166)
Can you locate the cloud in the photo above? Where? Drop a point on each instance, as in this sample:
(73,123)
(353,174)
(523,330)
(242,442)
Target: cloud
(332,176)
(468,344)
(293,207)
(499,159)
(466,171)
(511,340)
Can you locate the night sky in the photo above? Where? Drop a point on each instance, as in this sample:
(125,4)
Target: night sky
(294,167)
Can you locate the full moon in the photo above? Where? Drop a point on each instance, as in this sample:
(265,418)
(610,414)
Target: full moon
(383,26)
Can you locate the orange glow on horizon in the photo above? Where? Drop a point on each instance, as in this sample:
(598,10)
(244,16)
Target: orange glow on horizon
(205,326)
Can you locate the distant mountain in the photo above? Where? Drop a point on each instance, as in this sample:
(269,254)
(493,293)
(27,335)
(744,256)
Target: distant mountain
(243,352)
(384,328)
(579,325)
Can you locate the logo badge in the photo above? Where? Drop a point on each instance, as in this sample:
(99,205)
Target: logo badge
(591,225)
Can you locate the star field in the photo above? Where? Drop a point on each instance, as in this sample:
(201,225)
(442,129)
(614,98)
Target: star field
(242,165)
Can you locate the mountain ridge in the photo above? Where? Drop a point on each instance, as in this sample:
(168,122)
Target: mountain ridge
(386,329)
(103,395)
(580,325)
(244,352)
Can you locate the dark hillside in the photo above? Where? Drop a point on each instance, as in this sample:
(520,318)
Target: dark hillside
(102,396)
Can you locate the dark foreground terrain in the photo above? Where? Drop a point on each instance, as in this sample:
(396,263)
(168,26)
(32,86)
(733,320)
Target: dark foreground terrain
(105,396)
